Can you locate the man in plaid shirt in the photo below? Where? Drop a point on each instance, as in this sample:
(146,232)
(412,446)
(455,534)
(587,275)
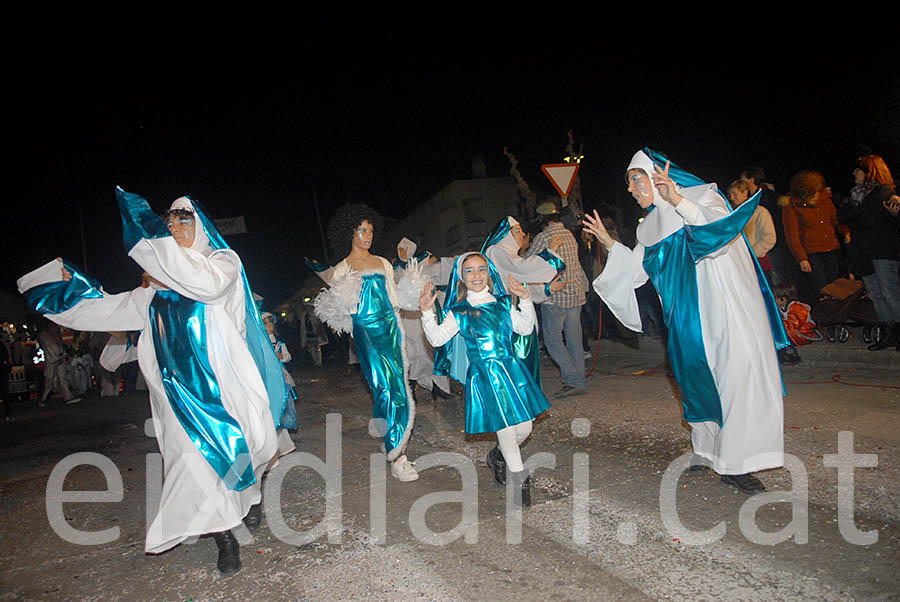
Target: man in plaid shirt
(561,312)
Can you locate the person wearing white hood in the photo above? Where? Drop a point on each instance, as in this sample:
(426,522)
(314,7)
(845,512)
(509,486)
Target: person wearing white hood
(217,392)
(502,247)
(419,352)
(724,327)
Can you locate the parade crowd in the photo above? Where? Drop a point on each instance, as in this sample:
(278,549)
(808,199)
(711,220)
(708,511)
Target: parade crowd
(732,280)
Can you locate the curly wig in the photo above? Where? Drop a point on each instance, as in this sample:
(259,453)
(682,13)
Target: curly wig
(343,225)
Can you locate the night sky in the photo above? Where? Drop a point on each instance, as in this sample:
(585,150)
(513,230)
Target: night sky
(258,142)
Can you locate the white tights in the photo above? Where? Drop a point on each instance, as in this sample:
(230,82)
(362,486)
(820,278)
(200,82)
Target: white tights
(509,439)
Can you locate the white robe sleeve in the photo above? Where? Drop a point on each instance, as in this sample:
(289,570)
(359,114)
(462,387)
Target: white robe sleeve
(622,274)
(537,293)
(285,354)
(523,318)
(438,334)
(524,269)
(705,205)
(188,272)
(123,311)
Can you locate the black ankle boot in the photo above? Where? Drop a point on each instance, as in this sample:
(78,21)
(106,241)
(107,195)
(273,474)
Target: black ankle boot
(498,465)
(254,517)
(229,553)
(520,483)
(746,483)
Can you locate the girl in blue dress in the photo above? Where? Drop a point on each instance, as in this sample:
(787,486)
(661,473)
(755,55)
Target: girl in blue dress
(501,394)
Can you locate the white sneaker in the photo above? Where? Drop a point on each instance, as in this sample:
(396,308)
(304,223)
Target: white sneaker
(74,400)
(403,470)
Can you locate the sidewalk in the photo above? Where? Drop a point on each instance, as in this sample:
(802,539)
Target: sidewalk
(852,354)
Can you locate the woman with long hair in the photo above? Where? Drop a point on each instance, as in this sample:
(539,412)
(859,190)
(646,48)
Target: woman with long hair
(871,214)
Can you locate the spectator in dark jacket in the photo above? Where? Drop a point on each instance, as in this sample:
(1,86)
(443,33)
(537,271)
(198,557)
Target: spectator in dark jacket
(871,214)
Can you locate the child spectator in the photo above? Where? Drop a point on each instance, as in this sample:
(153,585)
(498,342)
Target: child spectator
(800,327)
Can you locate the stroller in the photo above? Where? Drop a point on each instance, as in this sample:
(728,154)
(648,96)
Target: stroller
(844,305)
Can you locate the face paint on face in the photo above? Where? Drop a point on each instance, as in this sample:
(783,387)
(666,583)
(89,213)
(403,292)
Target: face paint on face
(517,234)
(270,325)
(475,273)
(639,186)
(181,227)
(363,235)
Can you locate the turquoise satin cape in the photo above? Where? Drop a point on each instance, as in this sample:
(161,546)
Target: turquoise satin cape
(139,221)
(671,266)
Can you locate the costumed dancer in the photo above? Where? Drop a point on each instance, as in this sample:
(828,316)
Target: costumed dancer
(214,381)
(502,247)
(723,323)
(418,351)
(501,395)
(285,443)
(362,300)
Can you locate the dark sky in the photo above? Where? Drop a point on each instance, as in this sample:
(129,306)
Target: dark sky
(258,141)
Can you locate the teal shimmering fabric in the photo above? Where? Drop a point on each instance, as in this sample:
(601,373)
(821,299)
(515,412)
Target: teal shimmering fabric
(139,222)
(711,235)
(57,297)
(671,266)
(528,349)
(379,348)
(178,327)
(500,390)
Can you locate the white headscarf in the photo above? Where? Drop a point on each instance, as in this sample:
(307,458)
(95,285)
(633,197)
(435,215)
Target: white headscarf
(663,220)
(410,247)
(508,243)
(201,240)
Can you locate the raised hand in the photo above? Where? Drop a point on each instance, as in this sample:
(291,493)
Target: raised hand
(665,185)
(594,225)
(517,288)
(66,274)
(426,299)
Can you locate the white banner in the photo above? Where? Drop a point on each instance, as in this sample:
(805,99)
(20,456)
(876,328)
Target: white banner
(231,225)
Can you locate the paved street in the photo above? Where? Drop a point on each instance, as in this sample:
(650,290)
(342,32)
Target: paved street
(595,532)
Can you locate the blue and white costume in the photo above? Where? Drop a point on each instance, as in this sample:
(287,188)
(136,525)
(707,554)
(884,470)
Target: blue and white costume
(503,251)
(418,351)
(500,390)
(366,305)
(214,381)
(723,323)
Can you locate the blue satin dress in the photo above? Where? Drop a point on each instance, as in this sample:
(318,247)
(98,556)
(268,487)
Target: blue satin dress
(379,348)
(500,390)
(178,328)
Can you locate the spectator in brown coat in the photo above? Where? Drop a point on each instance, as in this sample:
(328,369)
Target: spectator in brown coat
(812,232)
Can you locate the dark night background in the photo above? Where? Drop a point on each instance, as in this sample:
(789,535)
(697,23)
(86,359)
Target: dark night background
(257,141)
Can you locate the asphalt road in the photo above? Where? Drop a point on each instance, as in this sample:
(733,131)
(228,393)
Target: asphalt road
(599,528)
